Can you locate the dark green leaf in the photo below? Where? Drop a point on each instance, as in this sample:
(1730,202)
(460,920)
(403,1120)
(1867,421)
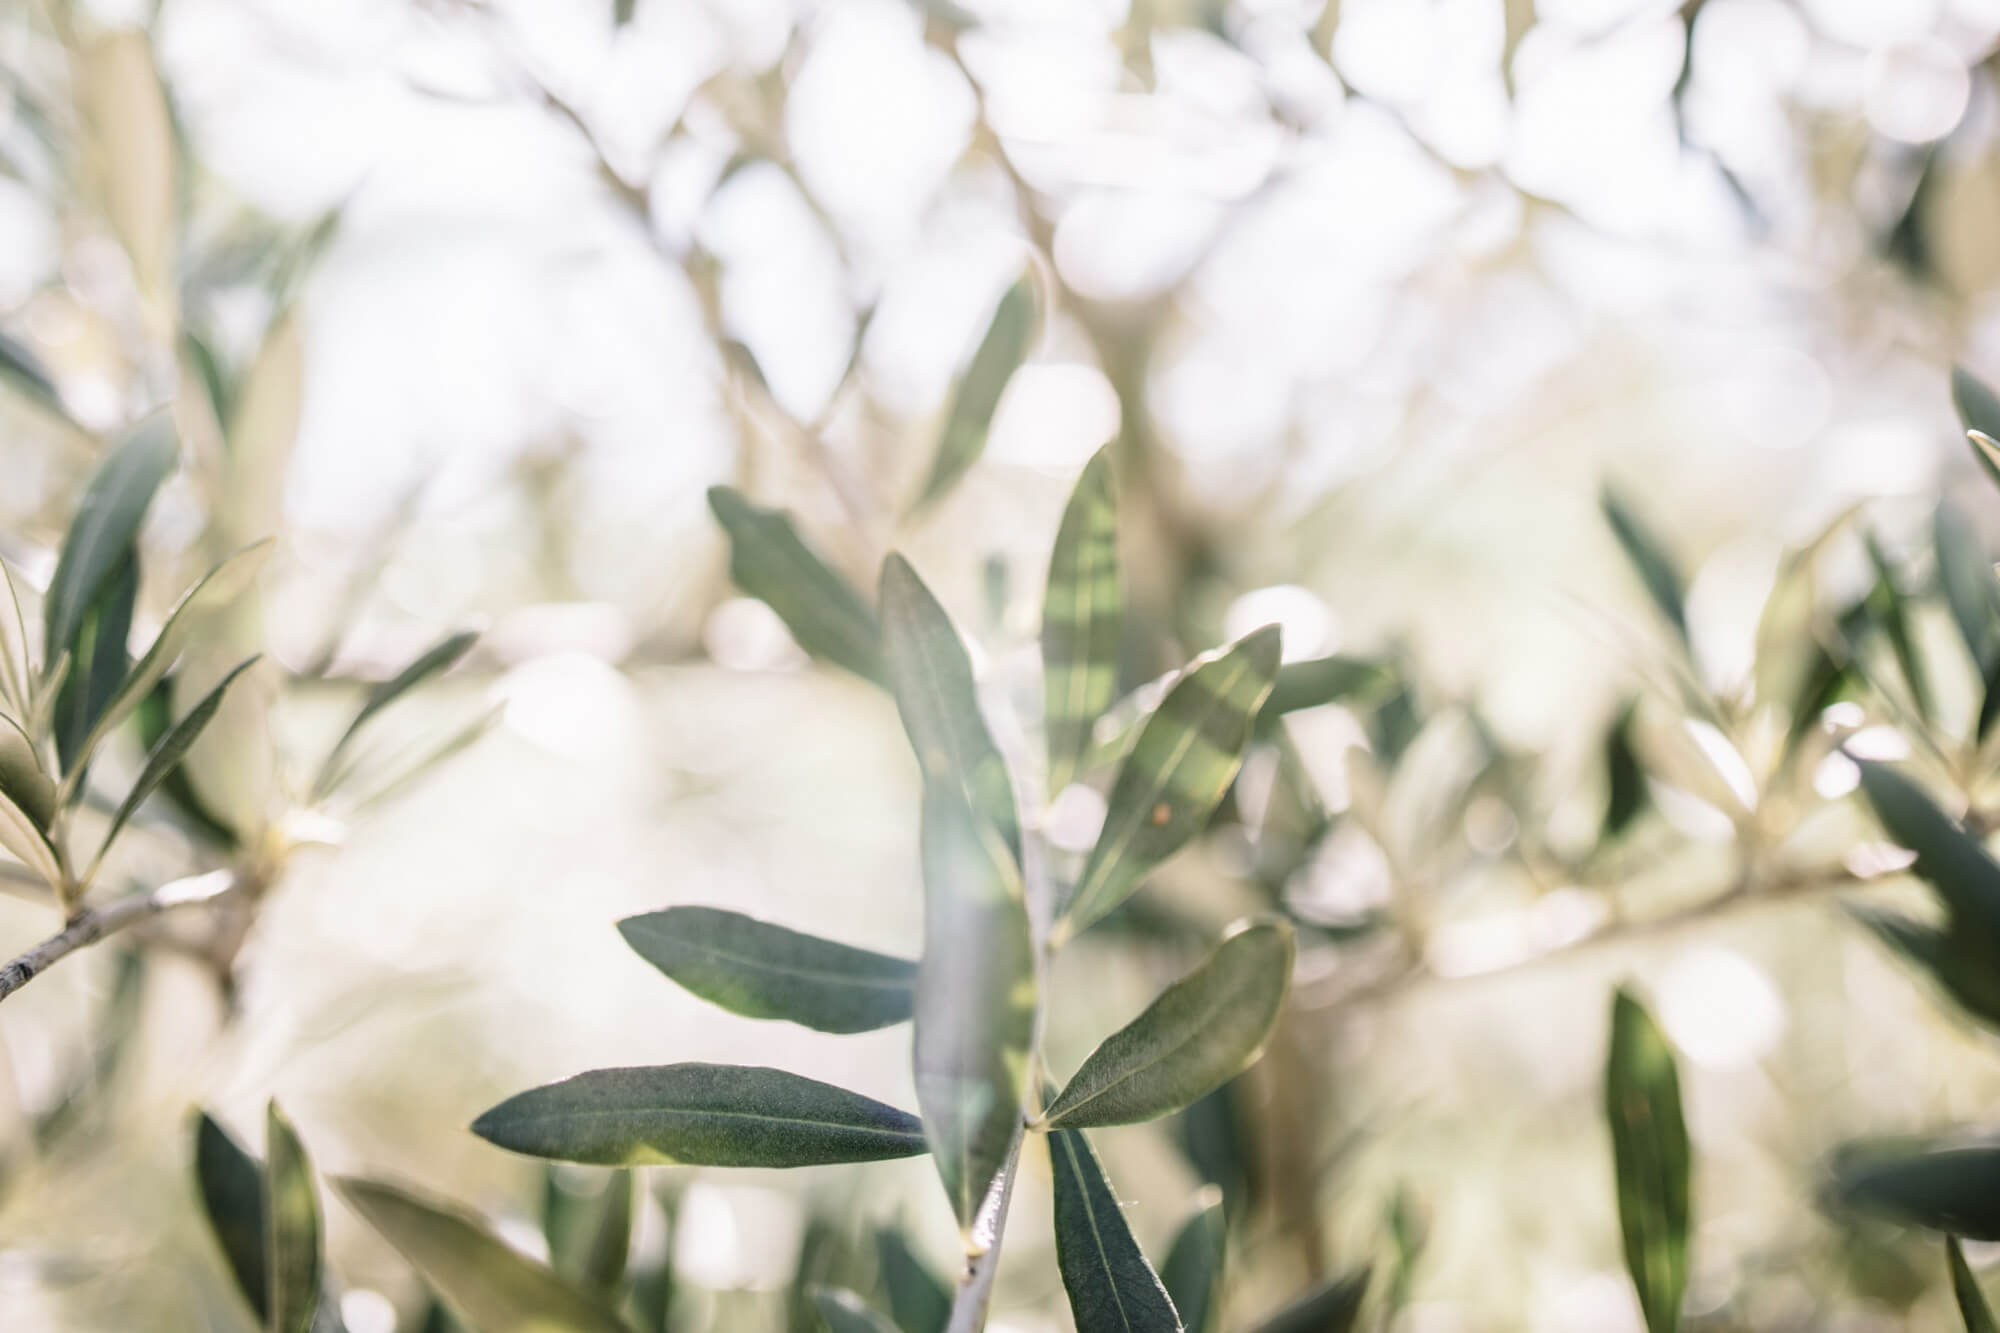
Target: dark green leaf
(1000,354)
(292,1229)
(1649,560)
(1950,859)
(1970,588)
(931,677)
(102,536)
(1112,1289)
(770,562)
(1952,1189)
(1978,410)
(1322,680)
(759,970)
(1649,1144)
(1890,611)
(699,1115)
(589,1235)
(439,657)
(975,1014)
(1972,1306)
(920,1303)
(844,1312)
(1334,1306)
(486,1282)
(1081,614)
(1964,960)
(101,659)
(1627,778)
(1201,1032)
(232,1195)
(22,779)
(172,748)
(1192,1273)
(1185,758)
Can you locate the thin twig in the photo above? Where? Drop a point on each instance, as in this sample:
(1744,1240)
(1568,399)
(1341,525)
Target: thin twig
(93,925)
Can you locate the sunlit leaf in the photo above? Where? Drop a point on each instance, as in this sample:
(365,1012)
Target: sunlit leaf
(1112,1289)
(1193,1271)
(1978,410)
(1649,1144)
(1000,354)
(486,1282)
(172,748)
(102,534)
(1323,680)
(844,1312)
(1649,560)
(132,140)
(1972,1306)
(975,1012)
(699,1115)
(753,968)
(232,1195)
(1081,615)
(917,1299)
(1334,1306)
(1954,1189)
(434,660)
(1201,1032)
(22,778)
(931,677)
(1185,758)
(292,1242)
(769,561)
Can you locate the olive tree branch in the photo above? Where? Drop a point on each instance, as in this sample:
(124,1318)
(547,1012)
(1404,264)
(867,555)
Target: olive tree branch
(94,924)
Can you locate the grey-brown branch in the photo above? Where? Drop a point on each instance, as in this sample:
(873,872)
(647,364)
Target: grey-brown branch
(94,924)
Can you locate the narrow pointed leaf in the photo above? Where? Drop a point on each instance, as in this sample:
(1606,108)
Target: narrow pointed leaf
(24,370)
(1112,1289)
(1978,410)
(1334,1306)
(1964,960)
(232,1196)
(931,677)
(1649,560)
(16,658)
(1193,1271)
(975,1012)
(1625,776)
(439,657)
(759,970)
(487,1283)
(1080,622)
(1201,1032)
(292,1241)
(610,1243)
(769,561)
(1970,588)
(1322,680)
(22,779)
(100,662)
(699,1115)
(1649,1144)
(1972,1306)
(844,1312)
(1954,862)
(1953,1189)
(1890,610)
(1185,758)
(999,355)
(106,525)
(19,835)
(917,1299)
(172,748)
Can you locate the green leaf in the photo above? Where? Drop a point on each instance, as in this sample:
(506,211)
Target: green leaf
(1625,775)
(485,1281)
(610,1247)
(24,370)
(1080,621)
(100,663)
(1193,1271)
(439,657)
(17,677)
(1950,859)
(232,1195)
(1954,1189)
(931,677)
(1649,1144)
(1978,410)
(1972,1306)
(1000,354)
(975,1013)
(292,1241)
(920,1303)
(22,779)
(759,970)
(1964,961)
(1649,560)
(172,748)
(699,1115)
(106,526)
(1334,1306)
(19,835)
(770,562)
(1322,680)
(1970,588)
(1185,758)
(1201,1032)
(1112,1289)
(1890,610)
(844,1312)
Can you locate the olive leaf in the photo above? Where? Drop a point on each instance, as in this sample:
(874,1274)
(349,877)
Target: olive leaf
(232,1196)
(485,1281)
(102,534)
(437,658)
(917,1299)
(22,778)
(1890,611)
(759,970)
(1201,1032)
(1625,776)
(1111,1286)
(1081,613)
(99,665)
(1951,1188)
(24,370)
(1970,588)
(1185,758)
(1323,680)
(292,1229)
(975,1001)
(1193,1271)
(699,1115)
(930,674)
(844,1312)
(1978,411)
(1001,352)
(1649,560)
(1334,1306)
(1972,1306)
(769,561)
(1649,1145)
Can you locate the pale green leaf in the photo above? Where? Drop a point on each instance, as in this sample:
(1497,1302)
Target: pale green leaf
(1649,560)
(170,750)
(844,1312)
(439,657)
(292,1229)
(771,562)
(1649,1144)
(1000,354)
(1081,616)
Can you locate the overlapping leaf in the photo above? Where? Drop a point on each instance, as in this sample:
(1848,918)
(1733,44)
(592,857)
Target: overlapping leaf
(1952,1188)
(1000,354)
(919,1302)
(232,1196)
(1081,616)
(1193,1271)
(699,1115)
(292,1240)
(1112,1288)
(759,970)
(438,658)
(1649,1145)
(769,561)
(107,521)
(169,752)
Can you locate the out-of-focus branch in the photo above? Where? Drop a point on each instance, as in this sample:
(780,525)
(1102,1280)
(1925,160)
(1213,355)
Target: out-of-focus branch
(88,927)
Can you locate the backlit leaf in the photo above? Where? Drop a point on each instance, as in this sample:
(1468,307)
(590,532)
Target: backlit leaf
(1081,615)
(1890,611)
(438,658)
(1000,354)
(22,779)
(292,1240)
(1112,1289)
(1323,680)
(172,748)
(1649,1143)
(769,561)
(699,1115)
(1649,560)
